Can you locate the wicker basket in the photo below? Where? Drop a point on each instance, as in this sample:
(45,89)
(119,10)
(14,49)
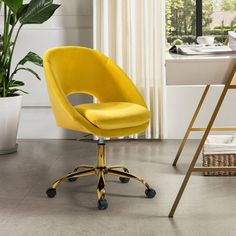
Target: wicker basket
(219,160)
(220,151)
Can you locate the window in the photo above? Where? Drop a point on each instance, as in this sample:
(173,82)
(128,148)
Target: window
(187,19)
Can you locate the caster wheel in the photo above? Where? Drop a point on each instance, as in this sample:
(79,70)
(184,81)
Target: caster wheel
(102,204)
(51,192)
(72,179)
(124,180)
(150,193)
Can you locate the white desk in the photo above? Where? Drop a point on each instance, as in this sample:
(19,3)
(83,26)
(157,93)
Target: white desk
(201,70)
(198,70)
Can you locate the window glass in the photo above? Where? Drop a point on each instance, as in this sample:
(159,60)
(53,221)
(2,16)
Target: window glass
(220,17)
(180,21)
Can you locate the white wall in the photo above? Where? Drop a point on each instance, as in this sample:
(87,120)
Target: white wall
(72,24)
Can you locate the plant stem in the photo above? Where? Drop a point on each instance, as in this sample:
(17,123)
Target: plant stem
(7,36)
(4,32)
(12,51)
(7,52)
(14,72)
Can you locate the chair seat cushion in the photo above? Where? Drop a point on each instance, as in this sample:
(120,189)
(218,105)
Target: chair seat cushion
(114,115)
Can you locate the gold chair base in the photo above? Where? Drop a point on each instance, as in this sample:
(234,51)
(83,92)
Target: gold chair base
(101,170)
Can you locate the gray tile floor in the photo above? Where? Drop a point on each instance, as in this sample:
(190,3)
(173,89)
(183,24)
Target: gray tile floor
(208,206)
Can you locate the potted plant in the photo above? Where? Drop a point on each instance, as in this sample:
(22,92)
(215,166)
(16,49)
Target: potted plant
(16,14)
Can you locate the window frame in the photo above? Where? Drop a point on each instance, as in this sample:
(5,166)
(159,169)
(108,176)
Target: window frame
(198,18)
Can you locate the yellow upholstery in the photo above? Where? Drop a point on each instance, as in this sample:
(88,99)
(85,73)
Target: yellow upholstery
(114,115)
(122,110)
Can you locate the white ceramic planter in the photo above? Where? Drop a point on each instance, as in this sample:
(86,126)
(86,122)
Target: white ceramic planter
(10,108)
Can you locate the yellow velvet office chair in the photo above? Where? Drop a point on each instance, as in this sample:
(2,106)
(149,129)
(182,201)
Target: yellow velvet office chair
(121,109)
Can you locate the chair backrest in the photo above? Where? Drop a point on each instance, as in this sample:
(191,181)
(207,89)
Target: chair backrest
(71,70)
(83,70)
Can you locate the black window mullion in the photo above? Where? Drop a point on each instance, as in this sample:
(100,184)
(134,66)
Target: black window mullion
(198,18)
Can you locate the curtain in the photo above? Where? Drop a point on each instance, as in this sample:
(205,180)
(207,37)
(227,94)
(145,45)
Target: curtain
(131,32)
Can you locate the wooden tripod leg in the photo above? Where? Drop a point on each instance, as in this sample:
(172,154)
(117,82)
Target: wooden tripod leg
(208,129)
(191,125)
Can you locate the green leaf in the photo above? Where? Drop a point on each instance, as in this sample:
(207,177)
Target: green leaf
(38,11)
(14,5)
(15,83)
(1,43)
(22,10)
(32,57)
(22,91)
(14,92)
(31,71)
(1,77)
(13,19)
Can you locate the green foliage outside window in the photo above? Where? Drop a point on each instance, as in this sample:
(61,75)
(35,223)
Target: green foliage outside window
(181,20)
(228,5)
